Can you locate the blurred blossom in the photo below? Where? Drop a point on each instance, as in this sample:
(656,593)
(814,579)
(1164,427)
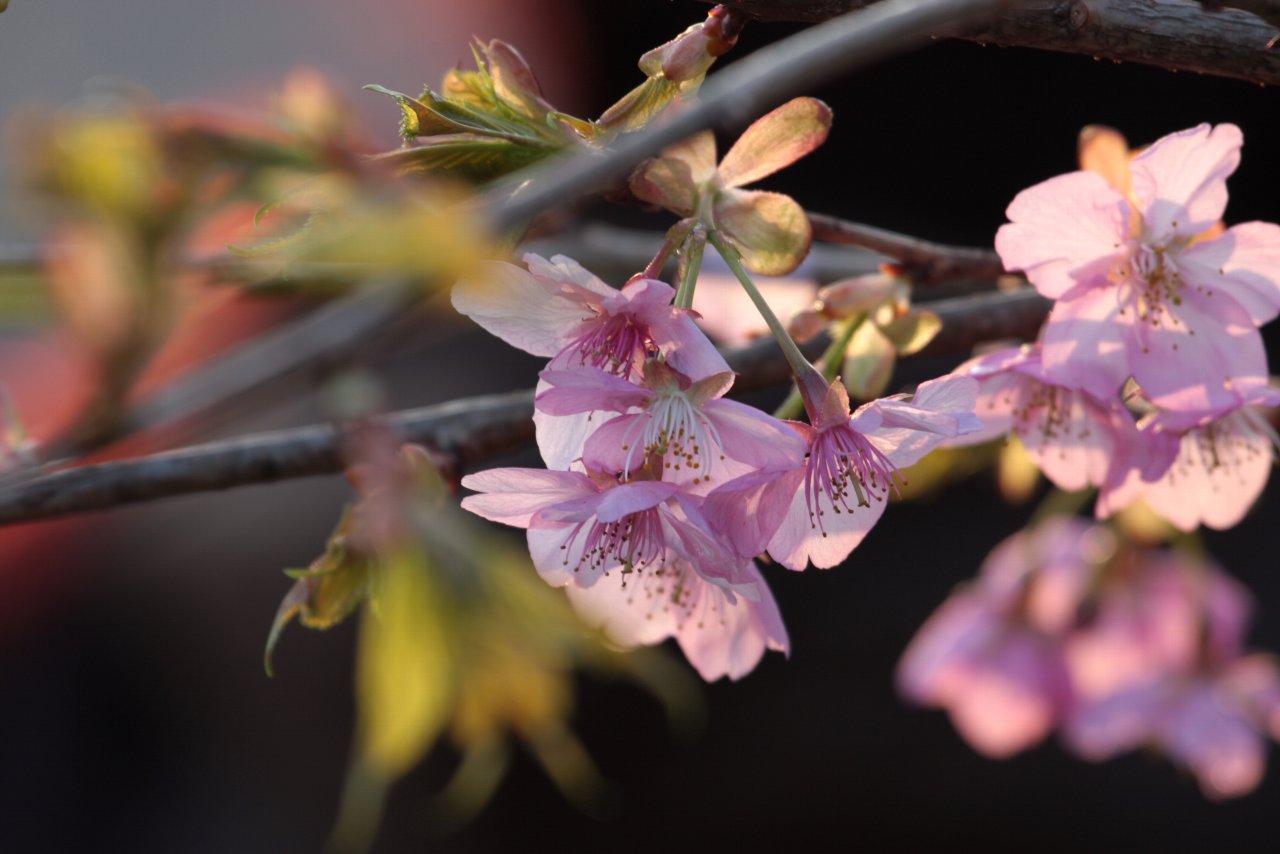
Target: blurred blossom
(1118,647)
(991,654)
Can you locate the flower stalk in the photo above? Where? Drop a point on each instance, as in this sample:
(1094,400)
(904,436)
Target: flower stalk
(809,380)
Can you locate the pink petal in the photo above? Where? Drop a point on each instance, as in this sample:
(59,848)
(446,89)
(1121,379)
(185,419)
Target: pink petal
(1073,439)
(586,389)
(1012,696)
(1242,264)
(800,542)
(1180,182)
(1085,343)
(689,535)
(1215,479)
(1200,350)
(728,639)
(640,297)
(512,495)
(687,348)
(1208,733)
(616,445)
(563,275)
(940,409)
(627,498)
(748,510)
(932,666)
(561,437)
(525,312)
(720,637)
(1121,722)
(754,437)
(557,559)
(1064,232)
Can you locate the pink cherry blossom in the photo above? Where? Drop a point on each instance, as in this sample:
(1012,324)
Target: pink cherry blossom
(1197,720)
(1003,683)
(1209,474)
(1072,436)
(1161,665)
(683,428)
(992,653)
(584,526)
(639,561)
(720,634)
(559,310)
(1139,290)
(820,511)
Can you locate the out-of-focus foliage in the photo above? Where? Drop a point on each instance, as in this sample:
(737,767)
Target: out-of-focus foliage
(459,640)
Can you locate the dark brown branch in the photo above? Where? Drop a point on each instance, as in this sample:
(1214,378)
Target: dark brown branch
(742,92)
(924,261)
(467,431)
(1176,34)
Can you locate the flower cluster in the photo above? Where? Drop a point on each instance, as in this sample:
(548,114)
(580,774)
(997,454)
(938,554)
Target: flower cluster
(658,491)
(1115,646)
(1156,317)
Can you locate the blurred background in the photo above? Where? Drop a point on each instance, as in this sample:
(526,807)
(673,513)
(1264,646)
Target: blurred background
(136,713)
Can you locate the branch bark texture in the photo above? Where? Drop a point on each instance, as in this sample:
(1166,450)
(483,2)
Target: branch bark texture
(1177,34)
(467,431)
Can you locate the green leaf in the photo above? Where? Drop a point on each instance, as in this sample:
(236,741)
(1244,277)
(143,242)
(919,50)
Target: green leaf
(868,363)
(404,667)
(325,593)
(639,106)
(770,230)
(469,156)
(421,119)
(910,333)
(775,141)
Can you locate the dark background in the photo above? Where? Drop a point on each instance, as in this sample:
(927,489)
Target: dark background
(135,716)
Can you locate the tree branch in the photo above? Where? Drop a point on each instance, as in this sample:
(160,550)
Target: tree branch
(467,431)
(740,93)
(925,262)
(1175,34)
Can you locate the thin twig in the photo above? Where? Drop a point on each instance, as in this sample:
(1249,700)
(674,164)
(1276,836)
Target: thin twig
(1174,34)
(925,262)
(467,431)
(325,336)
(743,91)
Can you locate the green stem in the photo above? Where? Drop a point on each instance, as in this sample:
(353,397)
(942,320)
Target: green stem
(807,376)
(690,265)
(831,361)
(675,236)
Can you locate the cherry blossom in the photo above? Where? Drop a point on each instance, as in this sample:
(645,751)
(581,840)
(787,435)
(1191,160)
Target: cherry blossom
(1161,665)
(685,428)
(820,511)
(1209,473)
(584,526)
(559,310)
(720,634)
(1072,436)
(1140,290)
(991,655)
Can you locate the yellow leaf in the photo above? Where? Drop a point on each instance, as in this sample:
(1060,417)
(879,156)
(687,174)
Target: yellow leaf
(404,669)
